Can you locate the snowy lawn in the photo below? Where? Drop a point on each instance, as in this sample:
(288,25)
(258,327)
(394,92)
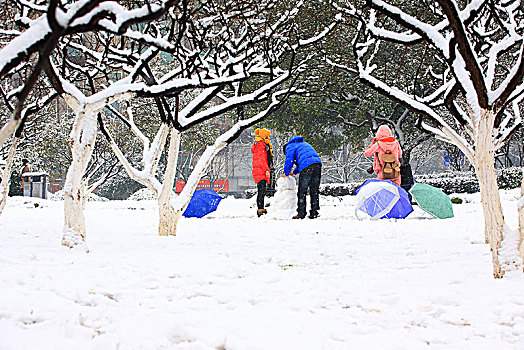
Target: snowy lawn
(235,281)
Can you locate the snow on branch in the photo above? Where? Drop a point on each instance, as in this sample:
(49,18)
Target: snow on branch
(230,103)
(417,27)
(476,64)
(222,141)
(151,151)
(23,45)
(32,5)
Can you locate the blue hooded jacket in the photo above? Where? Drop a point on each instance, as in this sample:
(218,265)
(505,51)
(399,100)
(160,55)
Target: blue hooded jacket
(299,153)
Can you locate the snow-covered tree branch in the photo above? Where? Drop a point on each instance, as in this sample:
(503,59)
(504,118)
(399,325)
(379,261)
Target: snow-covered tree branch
(468,68)
(233,55)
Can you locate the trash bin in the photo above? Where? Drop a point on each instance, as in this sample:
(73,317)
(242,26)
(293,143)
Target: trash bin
(35,184)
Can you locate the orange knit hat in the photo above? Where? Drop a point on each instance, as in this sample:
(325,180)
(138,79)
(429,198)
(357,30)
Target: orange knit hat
(263,133)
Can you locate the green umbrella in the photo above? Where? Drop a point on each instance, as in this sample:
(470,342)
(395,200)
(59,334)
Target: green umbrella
(432,200)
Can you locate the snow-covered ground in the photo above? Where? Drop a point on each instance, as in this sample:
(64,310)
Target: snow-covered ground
(235,281)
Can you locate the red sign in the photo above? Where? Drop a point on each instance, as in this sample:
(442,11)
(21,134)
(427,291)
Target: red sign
(221,185)
(217,186)
(179,186)
(203,184)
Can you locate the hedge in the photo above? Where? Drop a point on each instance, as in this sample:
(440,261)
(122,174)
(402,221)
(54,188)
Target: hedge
(466,182)
(449,182)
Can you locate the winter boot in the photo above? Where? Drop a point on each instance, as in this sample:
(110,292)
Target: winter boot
(261,212)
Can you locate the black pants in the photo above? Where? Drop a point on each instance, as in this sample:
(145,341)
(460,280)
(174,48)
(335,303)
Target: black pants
(261,187)
(406,178)
(309,178)
(407,188)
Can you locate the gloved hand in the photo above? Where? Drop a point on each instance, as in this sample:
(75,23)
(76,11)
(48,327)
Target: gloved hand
(268,177)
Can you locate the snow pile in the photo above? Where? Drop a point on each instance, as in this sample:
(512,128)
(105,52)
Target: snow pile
(59,196)
(284,203)
(144,194)
(508,252)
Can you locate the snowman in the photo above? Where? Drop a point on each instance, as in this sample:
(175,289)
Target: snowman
(284,203)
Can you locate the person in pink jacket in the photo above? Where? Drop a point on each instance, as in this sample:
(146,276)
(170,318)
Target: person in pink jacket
(383,143)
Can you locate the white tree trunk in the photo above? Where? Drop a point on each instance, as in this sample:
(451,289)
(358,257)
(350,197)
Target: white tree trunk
(74,227)
(484,163)
(83,141)
(6,176)
(521,219)
(168,219)
(8,129)
(168,216)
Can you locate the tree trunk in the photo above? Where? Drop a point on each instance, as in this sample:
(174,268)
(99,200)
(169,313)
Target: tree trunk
(167,215)
(406,156)
(521,219)
(74,228)
(8,129)
(168,219)
(485,169)
(6,176)
(84,136)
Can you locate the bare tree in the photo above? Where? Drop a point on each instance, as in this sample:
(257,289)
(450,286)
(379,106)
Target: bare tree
(469,57)
(343,164)
(246,53)
(50,30)
(31,113)
(512,153)
(425,153)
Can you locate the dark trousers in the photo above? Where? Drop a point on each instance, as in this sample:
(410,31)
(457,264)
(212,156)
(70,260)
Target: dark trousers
(406,177)
(261,187)
(271,186)
(407,188)
(309,178)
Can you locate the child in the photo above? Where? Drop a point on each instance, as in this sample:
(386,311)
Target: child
(262,160)
(384,143)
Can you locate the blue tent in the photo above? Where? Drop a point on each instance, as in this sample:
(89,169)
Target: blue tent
(202,203)
(382,199)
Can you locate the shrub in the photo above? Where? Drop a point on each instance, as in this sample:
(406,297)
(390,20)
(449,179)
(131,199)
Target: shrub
(456,200)
(449,182)
(336,190)
(466,182)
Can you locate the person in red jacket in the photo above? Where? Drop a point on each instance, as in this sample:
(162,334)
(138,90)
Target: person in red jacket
(262,161)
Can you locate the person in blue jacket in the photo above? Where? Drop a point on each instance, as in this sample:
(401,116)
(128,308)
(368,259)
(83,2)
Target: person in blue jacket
(308,166)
